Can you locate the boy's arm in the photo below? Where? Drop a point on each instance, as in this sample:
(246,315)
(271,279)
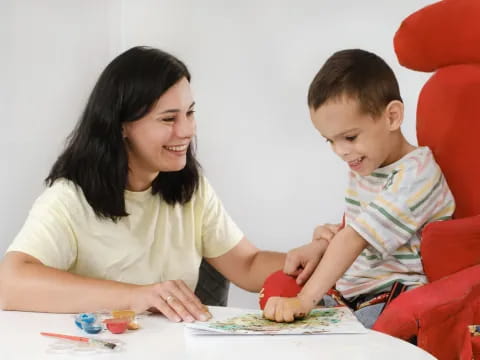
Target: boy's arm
(340,255)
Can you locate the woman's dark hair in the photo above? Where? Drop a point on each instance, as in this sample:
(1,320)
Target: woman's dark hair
(358,74)
(95,157)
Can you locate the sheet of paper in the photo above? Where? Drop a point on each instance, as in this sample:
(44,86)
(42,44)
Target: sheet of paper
(338,320)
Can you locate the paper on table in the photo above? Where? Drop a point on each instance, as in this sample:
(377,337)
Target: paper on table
(339,320)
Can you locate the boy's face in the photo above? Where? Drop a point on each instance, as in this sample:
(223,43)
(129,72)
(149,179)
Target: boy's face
(363,142)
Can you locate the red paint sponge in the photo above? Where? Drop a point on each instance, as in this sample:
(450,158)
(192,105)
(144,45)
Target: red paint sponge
(278,284)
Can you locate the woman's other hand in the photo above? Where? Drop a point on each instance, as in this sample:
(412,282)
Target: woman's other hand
(172,298)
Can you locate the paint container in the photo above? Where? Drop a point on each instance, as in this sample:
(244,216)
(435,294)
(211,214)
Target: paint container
(129,315)
(116,326)
(88,322)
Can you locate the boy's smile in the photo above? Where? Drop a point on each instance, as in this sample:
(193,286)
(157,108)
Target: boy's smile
(364,142)
(356,164)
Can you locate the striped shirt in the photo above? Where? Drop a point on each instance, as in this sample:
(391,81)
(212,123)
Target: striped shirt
(389,208)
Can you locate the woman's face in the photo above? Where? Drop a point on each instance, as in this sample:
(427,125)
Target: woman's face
(158,141)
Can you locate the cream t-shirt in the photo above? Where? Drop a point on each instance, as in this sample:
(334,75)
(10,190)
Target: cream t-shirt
(156,242)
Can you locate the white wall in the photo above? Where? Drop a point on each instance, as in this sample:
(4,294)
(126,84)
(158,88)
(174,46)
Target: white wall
(251,61)
(52,52)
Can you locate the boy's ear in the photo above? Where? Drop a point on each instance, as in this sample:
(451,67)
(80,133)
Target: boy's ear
(394,114)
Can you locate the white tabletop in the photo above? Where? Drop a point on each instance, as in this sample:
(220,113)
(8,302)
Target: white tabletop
(160,339)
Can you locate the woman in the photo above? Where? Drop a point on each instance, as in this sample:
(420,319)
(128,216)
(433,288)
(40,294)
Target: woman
(127,217)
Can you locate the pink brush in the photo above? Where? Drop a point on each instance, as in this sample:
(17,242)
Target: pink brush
(81,339)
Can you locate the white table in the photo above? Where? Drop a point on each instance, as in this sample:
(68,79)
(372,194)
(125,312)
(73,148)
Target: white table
(162,340)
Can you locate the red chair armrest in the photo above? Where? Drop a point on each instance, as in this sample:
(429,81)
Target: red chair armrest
(401,318)
(450,246)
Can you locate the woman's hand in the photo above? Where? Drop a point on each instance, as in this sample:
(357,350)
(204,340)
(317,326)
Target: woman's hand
(173,298)
(302,261)
(282,309)
(326,232)
(28,285)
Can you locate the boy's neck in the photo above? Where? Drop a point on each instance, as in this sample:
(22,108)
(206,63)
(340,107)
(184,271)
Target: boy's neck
(401,147)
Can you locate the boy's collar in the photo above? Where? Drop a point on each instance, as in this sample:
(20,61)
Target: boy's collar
(384,171)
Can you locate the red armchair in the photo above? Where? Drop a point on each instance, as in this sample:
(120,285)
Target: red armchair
(445,38)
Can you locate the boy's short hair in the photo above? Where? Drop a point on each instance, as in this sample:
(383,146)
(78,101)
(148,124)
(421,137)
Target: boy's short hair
(357,74)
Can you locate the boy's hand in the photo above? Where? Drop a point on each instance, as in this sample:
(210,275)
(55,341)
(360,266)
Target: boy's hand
(302,261)
(326,232)
(282,309)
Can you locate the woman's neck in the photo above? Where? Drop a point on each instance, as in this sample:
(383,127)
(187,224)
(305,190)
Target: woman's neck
(136,181)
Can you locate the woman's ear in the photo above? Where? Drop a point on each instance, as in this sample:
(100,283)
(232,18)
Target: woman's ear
(394,114)
(124,131)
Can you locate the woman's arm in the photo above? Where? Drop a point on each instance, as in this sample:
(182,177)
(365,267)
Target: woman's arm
(28,285)
(246,266)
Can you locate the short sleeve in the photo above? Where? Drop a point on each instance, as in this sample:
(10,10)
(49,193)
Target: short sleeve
(412,196)
(47,233)
(219,233)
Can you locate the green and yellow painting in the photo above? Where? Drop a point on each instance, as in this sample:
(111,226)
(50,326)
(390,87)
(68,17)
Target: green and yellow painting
(325,320)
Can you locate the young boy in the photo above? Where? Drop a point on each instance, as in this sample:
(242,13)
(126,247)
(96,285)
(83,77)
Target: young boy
(394,190)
